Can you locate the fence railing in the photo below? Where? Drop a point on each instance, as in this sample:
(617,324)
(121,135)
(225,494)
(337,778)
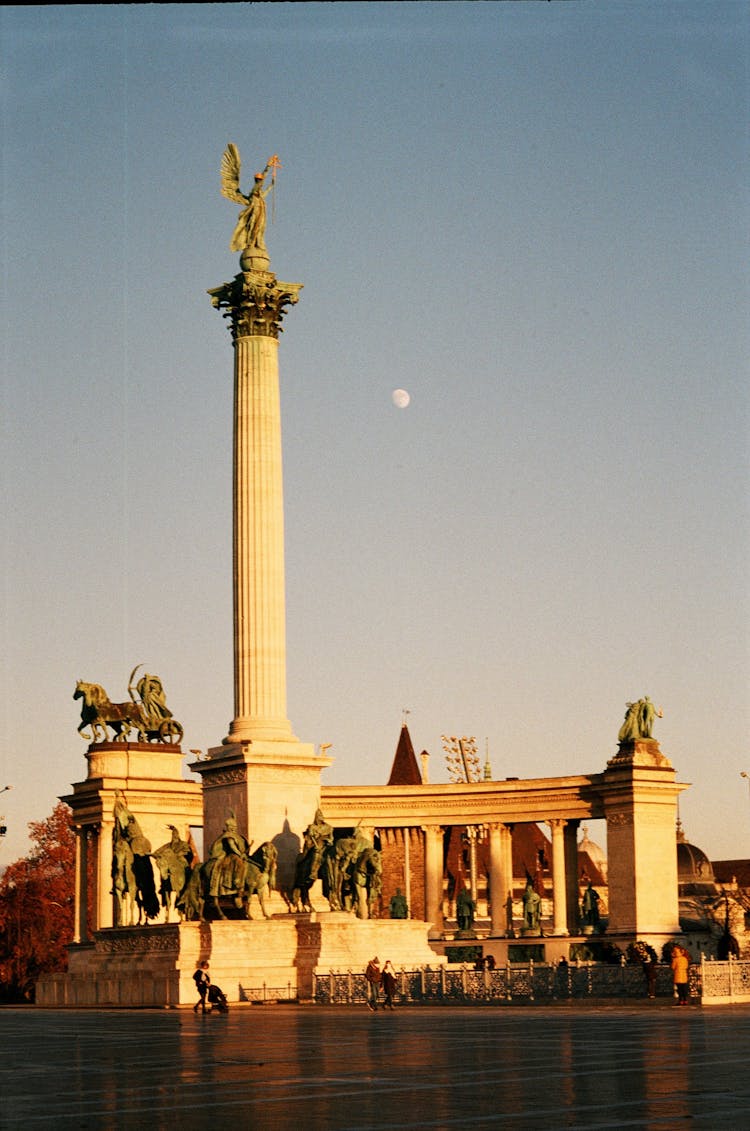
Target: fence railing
(529,983)
(260,994)
(730,979)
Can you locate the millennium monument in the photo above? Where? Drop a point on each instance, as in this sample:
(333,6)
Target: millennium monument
(260,786)
(300,878)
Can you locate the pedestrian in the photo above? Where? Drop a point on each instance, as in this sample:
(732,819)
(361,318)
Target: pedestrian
(202,980)
(389,985)
(680,967)
(374,977)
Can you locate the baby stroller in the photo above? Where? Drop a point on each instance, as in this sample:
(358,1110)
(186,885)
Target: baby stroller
(217,999)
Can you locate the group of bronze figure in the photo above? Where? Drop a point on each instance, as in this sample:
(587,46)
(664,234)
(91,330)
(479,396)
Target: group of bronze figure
(146,712)
(172,881)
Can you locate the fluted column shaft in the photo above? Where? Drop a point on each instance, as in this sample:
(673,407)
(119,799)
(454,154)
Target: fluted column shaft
(433,881)
(80,928)
(259,598)
(103,898)
(501,882)
(559,885)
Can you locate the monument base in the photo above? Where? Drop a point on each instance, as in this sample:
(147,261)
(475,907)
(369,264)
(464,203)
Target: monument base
(273,789)
(271,959)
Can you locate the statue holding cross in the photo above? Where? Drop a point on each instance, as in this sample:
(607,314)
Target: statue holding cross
(250,230)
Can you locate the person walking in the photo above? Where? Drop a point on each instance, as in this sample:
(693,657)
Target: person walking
(680,968)
(202,980)
(374,977)
(389,984)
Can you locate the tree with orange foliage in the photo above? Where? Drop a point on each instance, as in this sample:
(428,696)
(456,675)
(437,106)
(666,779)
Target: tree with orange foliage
(36,907)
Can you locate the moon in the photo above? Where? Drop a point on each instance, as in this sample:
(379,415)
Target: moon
(400,398)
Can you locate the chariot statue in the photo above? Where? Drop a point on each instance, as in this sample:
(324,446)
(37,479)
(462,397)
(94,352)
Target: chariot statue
(147,713)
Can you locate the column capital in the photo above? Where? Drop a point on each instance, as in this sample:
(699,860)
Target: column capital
(255,303)
(557,823)
(433,830)
(496,826)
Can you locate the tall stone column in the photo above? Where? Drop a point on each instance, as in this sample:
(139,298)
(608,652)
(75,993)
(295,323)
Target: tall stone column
(254,304)
(261,772)
(433,880)
(559,885)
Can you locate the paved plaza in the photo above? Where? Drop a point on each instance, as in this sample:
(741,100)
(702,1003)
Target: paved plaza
(312,1068)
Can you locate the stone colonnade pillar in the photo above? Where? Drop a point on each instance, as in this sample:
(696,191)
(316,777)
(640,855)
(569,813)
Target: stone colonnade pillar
(501,877)
(570,839)
(559,884)
(103,898)
(80,919)
(433,886)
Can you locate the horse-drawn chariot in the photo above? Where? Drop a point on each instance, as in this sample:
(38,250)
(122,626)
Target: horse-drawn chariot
(146,713)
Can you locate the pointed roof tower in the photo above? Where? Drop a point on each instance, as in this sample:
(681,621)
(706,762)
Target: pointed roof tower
(405,770)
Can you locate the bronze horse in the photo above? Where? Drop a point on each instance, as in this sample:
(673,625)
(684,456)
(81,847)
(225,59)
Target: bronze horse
(244,877)
(99,713)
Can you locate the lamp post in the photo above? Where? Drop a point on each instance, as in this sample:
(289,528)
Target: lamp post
(3,826)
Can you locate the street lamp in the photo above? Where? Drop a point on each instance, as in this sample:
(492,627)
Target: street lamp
(3,826)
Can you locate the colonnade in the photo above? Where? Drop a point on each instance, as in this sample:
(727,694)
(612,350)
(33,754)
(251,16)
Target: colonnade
(499,835)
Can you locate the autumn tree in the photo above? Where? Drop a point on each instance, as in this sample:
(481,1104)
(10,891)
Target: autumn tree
(36,907)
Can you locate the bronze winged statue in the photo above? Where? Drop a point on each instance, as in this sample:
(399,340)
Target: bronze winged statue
(250,230)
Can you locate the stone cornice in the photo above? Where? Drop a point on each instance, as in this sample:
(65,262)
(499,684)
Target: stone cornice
(255,303)
(507,802)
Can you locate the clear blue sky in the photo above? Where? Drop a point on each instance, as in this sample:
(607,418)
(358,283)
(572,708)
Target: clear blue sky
(533,217)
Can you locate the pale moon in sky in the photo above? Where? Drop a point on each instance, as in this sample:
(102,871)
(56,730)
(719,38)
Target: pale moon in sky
(400,398)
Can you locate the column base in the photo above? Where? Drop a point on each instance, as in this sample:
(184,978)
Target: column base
(259,730)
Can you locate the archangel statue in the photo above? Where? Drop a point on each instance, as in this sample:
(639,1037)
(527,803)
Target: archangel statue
(249,233)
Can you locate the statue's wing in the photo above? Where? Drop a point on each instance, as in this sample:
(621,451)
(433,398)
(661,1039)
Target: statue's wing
(230,174)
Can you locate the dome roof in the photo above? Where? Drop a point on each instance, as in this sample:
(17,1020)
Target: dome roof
(695,874)
(693,866)
(596,855)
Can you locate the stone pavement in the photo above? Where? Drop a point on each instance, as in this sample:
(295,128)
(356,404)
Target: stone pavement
(309,1068)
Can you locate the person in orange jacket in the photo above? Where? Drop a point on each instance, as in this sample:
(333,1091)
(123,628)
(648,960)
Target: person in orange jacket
(680,967)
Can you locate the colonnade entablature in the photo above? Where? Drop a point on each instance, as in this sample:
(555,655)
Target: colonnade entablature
(507,802)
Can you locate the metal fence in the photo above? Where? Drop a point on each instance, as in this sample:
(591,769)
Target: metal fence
(529,982)
(260,994)
(725,980)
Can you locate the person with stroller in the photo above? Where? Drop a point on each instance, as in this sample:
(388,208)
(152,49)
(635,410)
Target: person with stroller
(207,992)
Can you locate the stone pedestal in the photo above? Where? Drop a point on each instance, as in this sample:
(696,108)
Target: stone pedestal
(266,959)
(273,788)
(641,810)
(150,777)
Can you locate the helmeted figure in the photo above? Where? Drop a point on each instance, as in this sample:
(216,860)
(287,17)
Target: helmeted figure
(226,864)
